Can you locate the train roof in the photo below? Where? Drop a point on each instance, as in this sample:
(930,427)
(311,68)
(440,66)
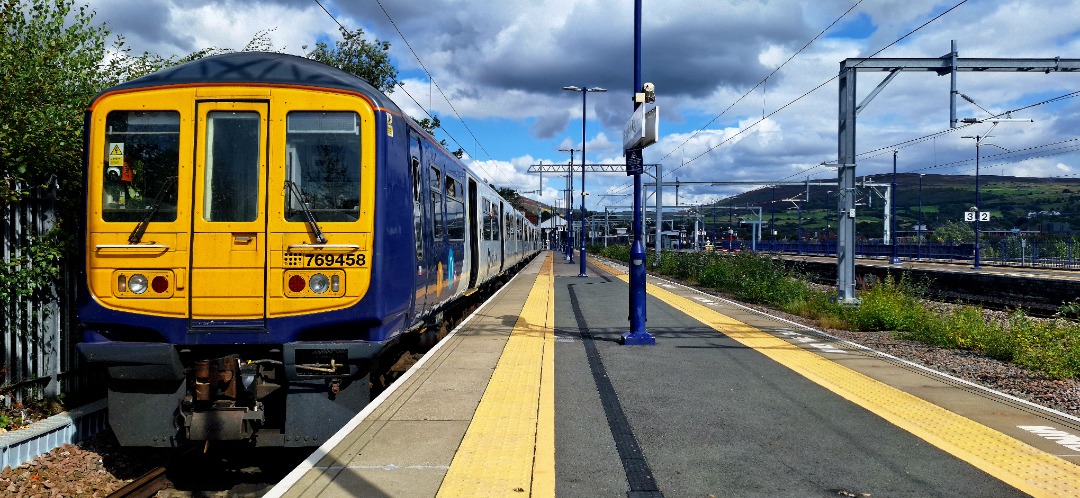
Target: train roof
(261,68)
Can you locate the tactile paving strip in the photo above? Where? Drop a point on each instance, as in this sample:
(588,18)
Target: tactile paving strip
(509,447)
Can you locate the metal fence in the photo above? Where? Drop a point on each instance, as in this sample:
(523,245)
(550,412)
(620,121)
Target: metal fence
(38,358)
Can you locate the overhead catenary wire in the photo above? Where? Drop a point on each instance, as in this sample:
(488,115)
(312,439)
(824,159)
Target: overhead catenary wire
(789,104)
(830,80)
(432,81)
(762,82)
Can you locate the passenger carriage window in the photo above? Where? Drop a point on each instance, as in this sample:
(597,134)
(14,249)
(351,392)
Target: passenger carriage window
(231,187)
(142,161)
(488,220)
(323,160)
(455,210)
(436,204)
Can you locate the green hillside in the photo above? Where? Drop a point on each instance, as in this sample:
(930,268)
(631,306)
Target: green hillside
(1028,204)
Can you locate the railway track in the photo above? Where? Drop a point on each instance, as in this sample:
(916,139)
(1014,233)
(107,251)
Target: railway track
(145,486)
(1038,295)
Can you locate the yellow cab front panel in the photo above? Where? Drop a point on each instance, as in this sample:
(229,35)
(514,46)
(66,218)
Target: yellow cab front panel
(201,200)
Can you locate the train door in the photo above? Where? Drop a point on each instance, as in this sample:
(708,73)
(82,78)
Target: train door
(420,233)
(228,242)
(439,247)
(503,236)
(474,235)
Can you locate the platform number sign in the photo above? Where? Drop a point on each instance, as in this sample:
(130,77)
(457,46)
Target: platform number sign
(982,215)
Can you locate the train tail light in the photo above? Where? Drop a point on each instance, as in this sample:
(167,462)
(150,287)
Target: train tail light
(297,283)
(160,284)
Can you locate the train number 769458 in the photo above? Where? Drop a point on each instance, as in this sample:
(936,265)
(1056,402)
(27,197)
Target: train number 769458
(335,260)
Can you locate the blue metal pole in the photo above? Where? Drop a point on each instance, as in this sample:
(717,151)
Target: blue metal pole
(569,209)
(584,92)
(638,335)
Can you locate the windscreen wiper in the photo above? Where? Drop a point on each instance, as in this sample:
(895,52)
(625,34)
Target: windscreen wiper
(319,237)
(151,210)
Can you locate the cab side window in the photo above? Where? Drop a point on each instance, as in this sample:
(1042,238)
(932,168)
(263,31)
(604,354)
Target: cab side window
(142,161)
(323,160)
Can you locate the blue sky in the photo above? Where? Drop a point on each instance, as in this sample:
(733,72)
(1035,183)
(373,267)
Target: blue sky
(503,66)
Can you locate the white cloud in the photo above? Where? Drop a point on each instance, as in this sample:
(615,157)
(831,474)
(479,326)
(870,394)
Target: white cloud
(503,64)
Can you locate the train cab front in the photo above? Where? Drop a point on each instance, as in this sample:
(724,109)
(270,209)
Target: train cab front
(228,254)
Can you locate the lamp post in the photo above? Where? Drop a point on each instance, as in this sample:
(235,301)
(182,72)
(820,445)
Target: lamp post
(978,142)
(922,229)
(892,214)
(798,240)
(569,205)
(584,91)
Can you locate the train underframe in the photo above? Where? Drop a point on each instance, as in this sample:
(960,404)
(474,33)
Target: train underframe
(296,395)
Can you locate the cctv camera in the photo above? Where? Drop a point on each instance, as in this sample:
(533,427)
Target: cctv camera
(650,92)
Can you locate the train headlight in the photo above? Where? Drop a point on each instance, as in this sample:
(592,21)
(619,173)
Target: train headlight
(138,283)
(319,283)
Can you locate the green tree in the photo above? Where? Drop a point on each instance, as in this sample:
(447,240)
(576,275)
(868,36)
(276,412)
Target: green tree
(511,196)
(356,55)
(49,71)
(954,232)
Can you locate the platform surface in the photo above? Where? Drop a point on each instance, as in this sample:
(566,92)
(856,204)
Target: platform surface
(535,396)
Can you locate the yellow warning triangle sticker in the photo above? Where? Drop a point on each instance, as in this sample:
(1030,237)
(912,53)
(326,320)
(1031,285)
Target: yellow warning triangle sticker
(116,151)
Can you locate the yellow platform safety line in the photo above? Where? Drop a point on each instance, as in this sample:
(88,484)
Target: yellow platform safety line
(509,447)
(1014,462)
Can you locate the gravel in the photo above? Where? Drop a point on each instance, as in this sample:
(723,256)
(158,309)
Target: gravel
(98,466)
(94,467)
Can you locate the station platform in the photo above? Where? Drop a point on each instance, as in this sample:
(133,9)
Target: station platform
(535,396)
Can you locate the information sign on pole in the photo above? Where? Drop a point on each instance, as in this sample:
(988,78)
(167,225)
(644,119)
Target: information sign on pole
(635,164)
(651,132)
(634,129)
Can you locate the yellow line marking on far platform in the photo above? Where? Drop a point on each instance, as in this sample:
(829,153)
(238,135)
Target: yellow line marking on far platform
(1014,462)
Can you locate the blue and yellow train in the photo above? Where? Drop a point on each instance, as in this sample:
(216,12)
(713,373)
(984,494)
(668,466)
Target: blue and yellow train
(259,228)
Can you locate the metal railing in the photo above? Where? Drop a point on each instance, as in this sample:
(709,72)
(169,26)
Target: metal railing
(38,358)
